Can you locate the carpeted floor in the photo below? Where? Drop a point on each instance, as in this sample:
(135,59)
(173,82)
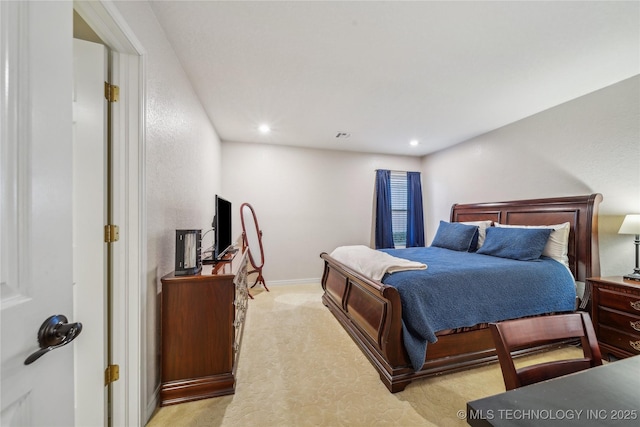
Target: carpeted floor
(298,367)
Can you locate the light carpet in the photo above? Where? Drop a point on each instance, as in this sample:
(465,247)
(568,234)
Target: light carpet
(298,367)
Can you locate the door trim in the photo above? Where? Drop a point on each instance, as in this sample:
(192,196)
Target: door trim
(129,314)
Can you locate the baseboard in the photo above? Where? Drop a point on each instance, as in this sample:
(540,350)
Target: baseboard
(289,282)
(154,403)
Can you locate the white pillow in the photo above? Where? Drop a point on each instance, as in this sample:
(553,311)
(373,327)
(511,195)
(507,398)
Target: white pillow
(557,246)
(482,229)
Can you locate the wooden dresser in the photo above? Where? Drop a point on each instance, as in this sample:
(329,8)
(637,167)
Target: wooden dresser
(202,320)
(615,312)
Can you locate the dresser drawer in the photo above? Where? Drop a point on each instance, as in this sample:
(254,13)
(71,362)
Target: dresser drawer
(619,300)
(619,320)
(624,341)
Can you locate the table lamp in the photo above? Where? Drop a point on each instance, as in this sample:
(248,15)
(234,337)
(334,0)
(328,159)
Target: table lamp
(631,225)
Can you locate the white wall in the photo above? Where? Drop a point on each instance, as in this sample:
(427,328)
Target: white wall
(182,167)
(307,201)
(588,145)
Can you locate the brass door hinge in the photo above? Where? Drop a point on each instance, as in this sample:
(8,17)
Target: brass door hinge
(111,374)
(111,92)
(111,233)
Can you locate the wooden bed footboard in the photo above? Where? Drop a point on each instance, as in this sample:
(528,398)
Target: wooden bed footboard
(371,312)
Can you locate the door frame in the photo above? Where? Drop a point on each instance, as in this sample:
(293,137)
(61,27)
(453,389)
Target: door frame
(127,70)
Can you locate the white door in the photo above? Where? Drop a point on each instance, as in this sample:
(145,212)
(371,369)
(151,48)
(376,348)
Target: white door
(36,209)
(89,218)
(129,396)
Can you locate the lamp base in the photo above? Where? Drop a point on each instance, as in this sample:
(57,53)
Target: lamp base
(633,276)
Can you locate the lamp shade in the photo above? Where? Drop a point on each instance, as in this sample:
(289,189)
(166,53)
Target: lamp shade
(630,225)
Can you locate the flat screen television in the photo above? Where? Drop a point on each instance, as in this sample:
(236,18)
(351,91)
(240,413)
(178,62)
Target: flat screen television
(221,228)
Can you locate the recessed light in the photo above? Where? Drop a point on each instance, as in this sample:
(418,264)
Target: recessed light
(414,142)
(264,128)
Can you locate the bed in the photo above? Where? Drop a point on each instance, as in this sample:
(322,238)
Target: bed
(371,312)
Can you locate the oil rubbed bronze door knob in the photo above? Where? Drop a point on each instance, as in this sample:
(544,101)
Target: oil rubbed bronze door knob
(54,333)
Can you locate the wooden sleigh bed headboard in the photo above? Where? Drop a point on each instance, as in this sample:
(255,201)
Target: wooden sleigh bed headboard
(581,212)
(371,312)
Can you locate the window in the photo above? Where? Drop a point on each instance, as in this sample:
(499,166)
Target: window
(399,208)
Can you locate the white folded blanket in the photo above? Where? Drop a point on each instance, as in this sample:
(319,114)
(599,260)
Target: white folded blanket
(373,263)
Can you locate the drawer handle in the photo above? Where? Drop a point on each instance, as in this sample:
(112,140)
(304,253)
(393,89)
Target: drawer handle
(635,305)
(635,344)
(635,325)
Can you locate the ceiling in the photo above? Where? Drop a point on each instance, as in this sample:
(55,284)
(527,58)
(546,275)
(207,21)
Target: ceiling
(389,72)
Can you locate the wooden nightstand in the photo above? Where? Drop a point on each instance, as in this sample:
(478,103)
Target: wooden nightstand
(615,312)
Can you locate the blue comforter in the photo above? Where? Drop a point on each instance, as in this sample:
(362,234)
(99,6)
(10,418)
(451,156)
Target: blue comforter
(461,289)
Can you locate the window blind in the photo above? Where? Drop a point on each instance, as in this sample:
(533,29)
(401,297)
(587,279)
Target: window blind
(399,208)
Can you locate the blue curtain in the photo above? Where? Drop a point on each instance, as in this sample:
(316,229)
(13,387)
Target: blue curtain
(384,231)
(415,219)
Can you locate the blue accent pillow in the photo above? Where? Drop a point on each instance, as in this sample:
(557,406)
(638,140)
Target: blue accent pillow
(456,236)
(524,244)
